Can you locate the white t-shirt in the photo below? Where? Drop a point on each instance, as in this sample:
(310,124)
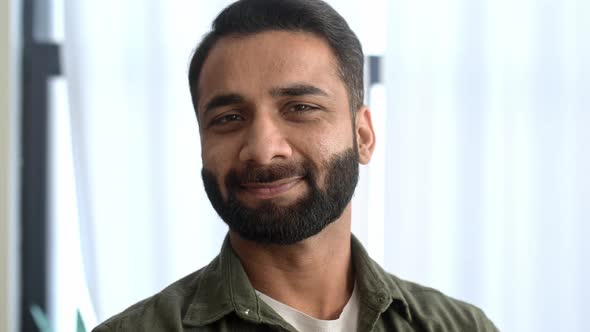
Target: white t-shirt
(347,322)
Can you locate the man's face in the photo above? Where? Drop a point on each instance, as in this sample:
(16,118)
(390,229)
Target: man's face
(279,155)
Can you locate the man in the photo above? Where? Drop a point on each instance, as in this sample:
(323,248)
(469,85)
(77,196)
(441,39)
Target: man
(278,92)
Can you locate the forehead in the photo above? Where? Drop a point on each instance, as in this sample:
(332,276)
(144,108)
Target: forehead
(262,61)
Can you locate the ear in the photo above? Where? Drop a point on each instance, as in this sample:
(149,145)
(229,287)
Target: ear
(365,135)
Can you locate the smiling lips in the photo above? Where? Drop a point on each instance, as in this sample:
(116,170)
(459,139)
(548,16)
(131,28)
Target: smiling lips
(270,189)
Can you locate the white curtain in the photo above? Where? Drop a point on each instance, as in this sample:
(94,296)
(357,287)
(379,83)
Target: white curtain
(488,157)
(478,186)
(144,219)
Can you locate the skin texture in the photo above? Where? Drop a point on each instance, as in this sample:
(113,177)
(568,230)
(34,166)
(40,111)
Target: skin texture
(260,121)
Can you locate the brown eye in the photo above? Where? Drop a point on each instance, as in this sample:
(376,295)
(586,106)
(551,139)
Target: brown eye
(226,119)
(302,108)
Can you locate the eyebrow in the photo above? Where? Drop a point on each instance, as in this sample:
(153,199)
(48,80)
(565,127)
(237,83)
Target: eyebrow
(223,100)
(297,90)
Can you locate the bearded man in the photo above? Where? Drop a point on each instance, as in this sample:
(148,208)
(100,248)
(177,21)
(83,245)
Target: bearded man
(277,87)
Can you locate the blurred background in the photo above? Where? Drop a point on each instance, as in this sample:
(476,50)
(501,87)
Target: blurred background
(479,186)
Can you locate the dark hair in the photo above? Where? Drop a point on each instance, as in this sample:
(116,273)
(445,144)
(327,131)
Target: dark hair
(246,17)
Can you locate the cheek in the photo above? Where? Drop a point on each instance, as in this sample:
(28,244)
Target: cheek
(210,160)
(216,153)
(325,147)
(319,151)
(215,160)
(323,150)
(329,142)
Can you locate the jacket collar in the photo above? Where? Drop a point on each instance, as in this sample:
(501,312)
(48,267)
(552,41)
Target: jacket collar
(378,289)
(224,288)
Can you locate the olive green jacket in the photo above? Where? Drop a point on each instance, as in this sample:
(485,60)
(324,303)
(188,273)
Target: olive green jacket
(219,297)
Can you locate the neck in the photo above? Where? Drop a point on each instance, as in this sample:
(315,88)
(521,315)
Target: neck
(314,276)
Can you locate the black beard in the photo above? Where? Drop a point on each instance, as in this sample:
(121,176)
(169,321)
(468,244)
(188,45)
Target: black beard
(270,223)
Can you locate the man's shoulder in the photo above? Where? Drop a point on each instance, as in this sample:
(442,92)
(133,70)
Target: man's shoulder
(432,308)
(160,312)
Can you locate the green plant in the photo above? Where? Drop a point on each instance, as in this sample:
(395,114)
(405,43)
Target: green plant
(43,324)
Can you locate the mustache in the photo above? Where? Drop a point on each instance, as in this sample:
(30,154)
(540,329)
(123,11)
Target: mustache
(265,174)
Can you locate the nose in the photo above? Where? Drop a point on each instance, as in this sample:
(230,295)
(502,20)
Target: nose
(265,142)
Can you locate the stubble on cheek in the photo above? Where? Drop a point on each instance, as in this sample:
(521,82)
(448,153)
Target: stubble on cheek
(216,178)
(321,167)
